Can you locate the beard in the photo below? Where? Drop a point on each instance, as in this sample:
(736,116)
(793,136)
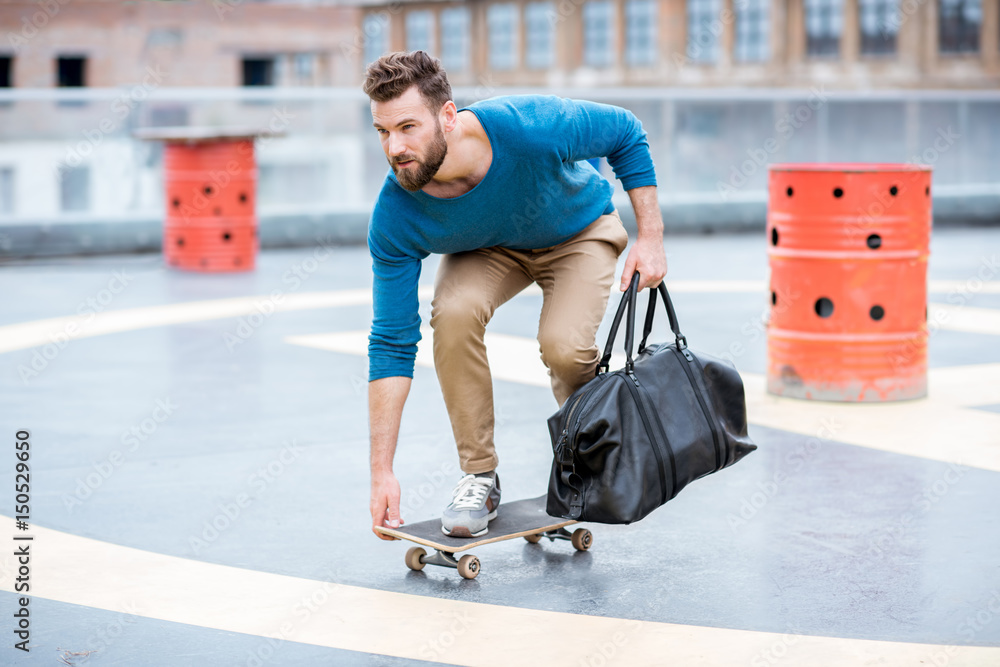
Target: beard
(415,178)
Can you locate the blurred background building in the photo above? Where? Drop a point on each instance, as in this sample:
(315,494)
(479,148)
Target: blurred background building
(723,87)
(858,44)
(108,43)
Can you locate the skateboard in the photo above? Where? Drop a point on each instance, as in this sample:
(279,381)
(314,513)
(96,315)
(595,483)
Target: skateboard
(521,518)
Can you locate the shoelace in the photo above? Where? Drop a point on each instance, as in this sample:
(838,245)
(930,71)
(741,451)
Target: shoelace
(470,492)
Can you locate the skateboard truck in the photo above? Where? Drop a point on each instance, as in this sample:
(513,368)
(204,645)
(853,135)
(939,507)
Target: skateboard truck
(467,565)
(581,537)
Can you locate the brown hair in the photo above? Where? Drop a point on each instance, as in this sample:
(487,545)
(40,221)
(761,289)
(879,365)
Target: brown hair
(394,73)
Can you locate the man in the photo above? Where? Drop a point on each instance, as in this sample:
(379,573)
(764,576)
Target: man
(502,189)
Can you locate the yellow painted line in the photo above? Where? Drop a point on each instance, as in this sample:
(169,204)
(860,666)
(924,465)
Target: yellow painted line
(966,288)
(58,330)
(965,318)
(512,358)
(941,427)
(82,571)
(973,385)
(61,329)
(76,570)
(933,428)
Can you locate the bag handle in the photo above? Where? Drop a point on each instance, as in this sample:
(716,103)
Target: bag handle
(679,338)
(628,302)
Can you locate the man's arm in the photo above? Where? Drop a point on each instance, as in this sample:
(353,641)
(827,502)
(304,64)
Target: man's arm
(385,410)
(647,255)
(587,130)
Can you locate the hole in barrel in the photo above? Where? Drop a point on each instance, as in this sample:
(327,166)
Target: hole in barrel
(789,191)
(894,191)
(927,190)
(774,236)
(874,241)
(180,241)
(877,313)
(176,202)
(226,236)
(243,198)
(774,298)
(838,192)
(824,307)
(208,190)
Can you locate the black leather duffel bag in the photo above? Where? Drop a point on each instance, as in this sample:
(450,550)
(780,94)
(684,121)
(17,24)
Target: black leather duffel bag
(629,440)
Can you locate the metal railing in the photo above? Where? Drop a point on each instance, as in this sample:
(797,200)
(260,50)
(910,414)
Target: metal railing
(68,157)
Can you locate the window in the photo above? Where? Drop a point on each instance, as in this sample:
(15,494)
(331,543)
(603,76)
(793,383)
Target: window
(880,23)
(753,31)
(455,38)
(703,30)
(305,67)
(6,189)
(540,35)
(824,23)
(501,24)
(598,33)
(258,71)
(164,38)
(71,71)
(640,32)
(420,31)
(74,189)
(376,35)
(6,67)
(958,25)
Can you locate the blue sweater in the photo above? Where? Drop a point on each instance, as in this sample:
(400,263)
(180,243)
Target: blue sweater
(538,192)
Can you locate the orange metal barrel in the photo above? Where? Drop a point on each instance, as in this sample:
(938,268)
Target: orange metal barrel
(211,222)
(848,247)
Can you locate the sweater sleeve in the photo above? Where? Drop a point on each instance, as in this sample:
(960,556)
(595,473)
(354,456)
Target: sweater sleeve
(392,343)
(588,130)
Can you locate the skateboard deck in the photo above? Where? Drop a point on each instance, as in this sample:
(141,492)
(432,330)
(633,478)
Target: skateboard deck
(521,518)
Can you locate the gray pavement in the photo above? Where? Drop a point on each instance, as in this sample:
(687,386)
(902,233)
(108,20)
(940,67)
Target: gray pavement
(200,422)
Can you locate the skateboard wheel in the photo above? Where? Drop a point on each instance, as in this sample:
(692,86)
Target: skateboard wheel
(468,566)
(534,539)
(582,539)
(414,558)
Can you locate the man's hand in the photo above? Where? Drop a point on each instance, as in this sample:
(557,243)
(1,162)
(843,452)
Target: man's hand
(385,409)
(385,503)
(647,255)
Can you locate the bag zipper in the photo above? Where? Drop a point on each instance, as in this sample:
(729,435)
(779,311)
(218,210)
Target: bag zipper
(713,422)
(564,436)
(563,443)
(701,402)
(634,390)
(666,444)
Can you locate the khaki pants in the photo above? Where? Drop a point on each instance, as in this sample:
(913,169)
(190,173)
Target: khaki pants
(575,277)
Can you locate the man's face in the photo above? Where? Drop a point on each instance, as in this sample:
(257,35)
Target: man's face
(411,137)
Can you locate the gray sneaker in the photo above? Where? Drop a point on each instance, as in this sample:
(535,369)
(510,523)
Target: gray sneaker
(474,505)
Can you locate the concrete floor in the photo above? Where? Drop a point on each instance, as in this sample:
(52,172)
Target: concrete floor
(199,485)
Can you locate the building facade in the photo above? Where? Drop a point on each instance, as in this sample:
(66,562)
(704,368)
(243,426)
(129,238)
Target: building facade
(723,87)
(847,44)
(223,43)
